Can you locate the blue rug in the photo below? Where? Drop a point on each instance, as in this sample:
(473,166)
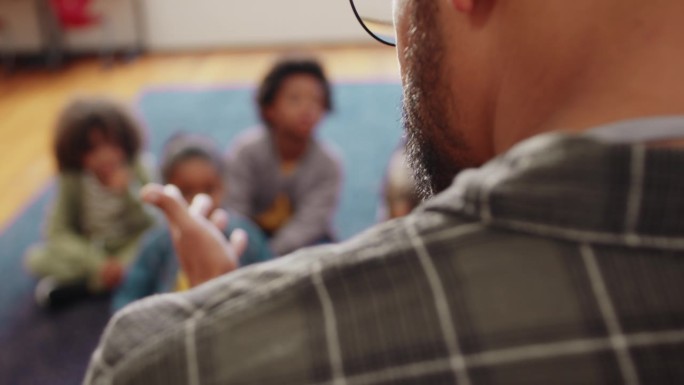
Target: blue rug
(40,348)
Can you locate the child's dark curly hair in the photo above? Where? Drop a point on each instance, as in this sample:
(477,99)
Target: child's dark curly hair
(285,68)
(80,118)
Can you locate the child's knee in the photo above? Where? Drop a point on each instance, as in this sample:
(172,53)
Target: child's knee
(35,261)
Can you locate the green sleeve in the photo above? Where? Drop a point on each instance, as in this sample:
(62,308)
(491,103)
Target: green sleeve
(67,254)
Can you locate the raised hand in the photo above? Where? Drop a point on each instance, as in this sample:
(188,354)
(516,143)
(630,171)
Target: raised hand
(203,250)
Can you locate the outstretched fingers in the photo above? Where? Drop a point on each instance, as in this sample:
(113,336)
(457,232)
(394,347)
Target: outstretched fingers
(169,200)
(219,218)
(201,205)
(239,239)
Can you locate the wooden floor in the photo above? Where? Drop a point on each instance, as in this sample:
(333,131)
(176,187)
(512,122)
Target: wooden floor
(29,102)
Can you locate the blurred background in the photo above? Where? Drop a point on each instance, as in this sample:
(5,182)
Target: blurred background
(151,43)
(179,65)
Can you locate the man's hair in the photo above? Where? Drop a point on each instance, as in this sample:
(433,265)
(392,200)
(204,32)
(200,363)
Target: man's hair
(284,68)
(80,118)
(182,147)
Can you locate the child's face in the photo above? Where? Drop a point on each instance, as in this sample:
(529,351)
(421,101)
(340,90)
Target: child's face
(197,176)
(298,107)
(105,157)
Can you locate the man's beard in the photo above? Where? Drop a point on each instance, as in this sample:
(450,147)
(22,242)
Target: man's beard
(435,148)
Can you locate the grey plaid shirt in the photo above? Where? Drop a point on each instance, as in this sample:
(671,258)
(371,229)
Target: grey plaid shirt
(561,262)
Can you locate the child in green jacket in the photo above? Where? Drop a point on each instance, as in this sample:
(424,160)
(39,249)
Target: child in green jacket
(97,218)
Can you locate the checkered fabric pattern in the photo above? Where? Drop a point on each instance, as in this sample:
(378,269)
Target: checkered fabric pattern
(560,262)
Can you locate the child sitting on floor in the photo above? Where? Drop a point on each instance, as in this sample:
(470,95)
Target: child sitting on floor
(192,164)
(97,217)
(400,195)
(280,175)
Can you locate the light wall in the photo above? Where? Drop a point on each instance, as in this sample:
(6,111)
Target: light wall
(21,25)
(173,25)
(200,24)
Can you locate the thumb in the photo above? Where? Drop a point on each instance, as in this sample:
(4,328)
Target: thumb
(169,200)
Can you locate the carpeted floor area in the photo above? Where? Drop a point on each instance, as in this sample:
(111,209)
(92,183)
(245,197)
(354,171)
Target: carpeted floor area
(40,348)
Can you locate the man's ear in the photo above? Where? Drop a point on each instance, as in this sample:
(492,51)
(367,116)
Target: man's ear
(464,5)
(478,11)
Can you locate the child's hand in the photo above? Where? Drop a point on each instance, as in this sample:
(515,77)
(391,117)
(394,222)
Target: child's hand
(202,248)
(118,180)
(112,274)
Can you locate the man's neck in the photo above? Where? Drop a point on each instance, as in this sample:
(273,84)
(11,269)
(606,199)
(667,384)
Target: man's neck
(642,80)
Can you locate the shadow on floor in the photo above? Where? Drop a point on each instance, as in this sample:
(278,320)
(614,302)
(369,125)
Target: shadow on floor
(40,347)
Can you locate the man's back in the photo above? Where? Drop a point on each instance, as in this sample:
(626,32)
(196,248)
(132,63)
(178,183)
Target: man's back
(559,262)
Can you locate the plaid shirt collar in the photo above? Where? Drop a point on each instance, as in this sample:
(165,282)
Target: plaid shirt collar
(641,130)
(599,187)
